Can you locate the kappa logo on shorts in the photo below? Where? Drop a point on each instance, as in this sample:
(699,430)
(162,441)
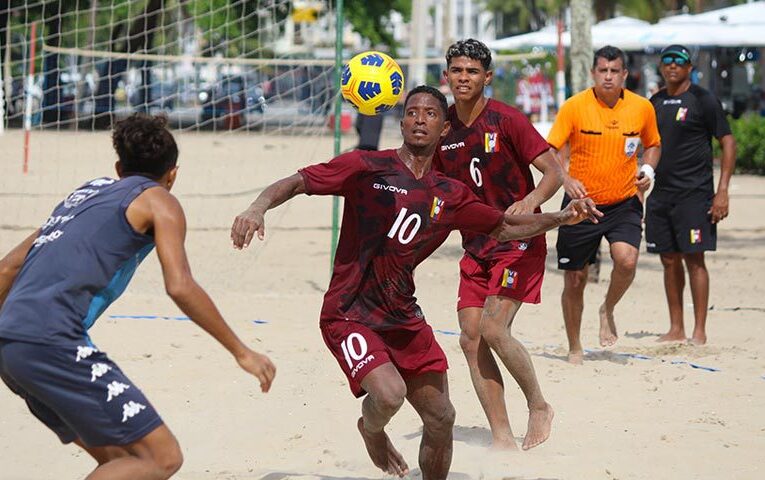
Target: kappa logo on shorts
(115,389)
(695,236)
(564,260)
(84,352)
(523,246)
(131,409)
(98,370)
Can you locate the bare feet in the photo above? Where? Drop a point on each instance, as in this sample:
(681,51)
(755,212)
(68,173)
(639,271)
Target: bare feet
(381,451)
(540,423)
(576,357)
(672,336)
(698,338)
(504,444)
(608,334)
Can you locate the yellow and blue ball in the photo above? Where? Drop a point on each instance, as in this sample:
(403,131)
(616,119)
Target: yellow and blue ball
(372,82)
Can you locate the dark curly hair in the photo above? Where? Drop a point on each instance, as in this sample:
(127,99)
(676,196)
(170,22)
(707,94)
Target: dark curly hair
(434,92)
(145,146)
(470,48)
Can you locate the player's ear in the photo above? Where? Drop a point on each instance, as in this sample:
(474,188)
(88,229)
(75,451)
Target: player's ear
(446,73)
(445,130)
(489,77)
(168,179)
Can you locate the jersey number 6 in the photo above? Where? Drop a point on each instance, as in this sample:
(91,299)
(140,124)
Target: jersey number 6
(475,174)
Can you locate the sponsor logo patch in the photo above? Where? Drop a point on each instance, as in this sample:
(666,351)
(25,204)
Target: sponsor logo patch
(682,113)
(695,236)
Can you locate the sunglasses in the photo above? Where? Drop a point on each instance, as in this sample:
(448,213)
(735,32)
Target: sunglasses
(679,61)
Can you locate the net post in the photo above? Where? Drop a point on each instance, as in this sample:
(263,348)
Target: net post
(338,113)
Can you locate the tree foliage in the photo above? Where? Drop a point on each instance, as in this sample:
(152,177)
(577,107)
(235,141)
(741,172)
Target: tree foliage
(371,19)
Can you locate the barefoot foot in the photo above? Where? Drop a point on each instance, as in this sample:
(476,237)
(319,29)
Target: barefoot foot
(540,423)
(576,357)
(608,334)
(504,444)
(381,451)
(698,339)
(672,337)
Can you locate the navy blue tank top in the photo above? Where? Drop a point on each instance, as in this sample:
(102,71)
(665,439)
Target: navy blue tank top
(80,263)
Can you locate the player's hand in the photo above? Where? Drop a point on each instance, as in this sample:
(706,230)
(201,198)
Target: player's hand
(246,224)
(258,365)
(573,187)
(521,207)
(642,182)
(578,210)
(719,208)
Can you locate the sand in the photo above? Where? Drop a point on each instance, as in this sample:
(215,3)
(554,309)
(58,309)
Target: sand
(636,411)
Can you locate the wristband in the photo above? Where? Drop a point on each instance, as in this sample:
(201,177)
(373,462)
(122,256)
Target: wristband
(648,170)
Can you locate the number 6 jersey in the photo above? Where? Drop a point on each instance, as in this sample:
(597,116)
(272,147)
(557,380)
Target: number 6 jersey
(391,222)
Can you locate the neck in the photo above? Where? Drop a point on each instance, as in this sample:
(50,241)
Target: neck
(674,89)
(468,110)
(418,159)
(608,98)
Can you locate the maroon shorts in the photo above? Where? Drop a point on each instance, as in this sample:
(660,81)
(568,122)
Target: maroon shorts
(359,350)
(516,277)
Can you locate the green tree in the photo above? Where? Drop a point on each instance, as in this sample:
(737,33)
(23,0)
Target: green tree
(371,19)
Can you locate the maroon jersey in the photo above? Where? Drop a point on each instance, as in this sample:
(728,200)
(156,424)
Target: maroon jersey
(492,157)
(390,221)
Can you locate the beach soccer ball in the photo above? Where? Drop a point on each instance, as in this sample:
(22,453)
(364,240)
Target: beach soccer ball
(372,82)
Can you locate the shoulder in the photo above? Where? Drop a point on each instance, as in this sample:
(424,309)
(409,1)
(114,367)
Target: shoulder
(634,98)
(704,96)
(659,96)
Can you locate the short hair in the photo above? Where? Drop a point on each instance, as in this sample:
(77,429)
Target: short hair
(610,53)
(470,48)
(144,145)
(433,92)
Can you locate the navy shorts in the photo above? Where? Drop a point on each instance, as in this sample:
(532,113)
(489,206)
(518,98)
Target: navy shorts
(680,223)
(77,392)
(578,244)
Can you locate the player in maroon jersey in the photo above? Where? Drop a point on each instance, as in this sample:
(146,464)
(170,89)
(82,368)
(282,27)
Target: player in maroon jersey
(489,148)
(396,208)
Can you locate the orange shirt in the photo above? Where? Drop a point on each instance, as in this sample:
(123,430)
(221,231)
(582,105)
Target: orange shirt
(604,142)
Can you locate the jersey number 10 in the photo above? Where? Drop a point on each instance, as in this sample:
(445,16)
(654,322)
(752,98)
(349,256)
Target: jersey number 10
(406,226)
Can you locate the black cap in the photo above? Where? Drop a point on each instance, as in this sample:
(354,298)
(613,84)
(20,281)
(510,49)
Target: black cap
(678,51)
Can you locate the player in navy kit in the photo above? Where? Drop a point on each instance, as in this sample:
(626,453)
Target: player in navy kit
(396,208)
(490,147)
(683,209)
(56,283)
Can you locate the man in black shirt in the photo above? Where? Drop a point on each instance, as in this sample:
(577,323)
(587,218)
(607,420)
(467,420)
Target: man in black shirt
(683,210)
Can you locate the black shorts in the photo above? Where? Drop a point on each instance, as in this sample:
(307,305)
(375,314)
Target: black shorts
(577,245)
(77,392)
(680,223)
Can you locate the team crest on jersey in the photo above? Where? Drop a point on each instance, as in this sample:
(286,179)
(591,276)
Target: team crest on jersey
(509,279)
(436,208)
(682,112)
(491,142)
(78,196)
(695,236)
(631,145)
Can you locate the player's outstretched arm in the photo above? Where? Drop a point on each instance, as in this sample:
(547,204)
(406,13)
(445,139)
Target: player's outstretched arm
(12,263)
(515,227)
(169,224)
(252,220)
(552,179)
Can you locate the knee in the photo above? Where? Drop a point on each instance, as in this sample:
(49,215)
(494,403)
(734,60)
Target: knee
(169,461)
(574,281)
(626,264)
(695,262)
(440,422)
(470,338)
(669,261)
(493,333)
(390,400)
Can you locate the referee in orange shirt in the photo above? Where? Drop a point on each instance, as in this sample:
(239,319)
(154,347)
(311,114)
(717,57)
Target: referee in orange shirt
(597,133)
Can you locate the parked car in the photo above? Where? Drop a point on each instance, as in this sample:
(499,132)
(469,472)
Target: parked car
(226,104)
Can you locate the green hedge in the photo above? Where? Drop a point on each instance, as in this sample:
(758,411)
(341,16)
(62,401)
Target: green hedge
(749,132)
